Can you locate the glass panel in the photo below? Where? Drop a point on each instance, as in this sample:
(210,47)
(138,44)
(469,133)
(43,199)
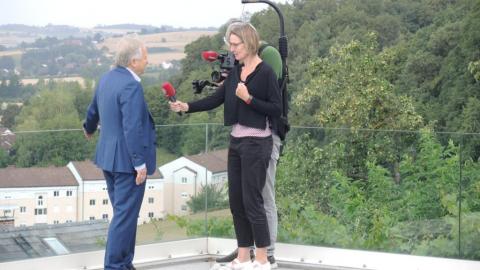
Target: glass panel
(219,219)
(468,234)
(168,201)
(372,190)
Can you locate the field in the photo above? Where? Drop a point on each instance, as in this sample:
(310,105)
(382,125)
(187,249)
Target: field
(10,53)
(175,41)
(80,80)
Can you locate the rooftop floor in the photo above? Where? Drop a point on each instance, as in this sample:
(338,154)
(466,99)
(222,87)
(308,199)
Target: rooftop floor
(200,254)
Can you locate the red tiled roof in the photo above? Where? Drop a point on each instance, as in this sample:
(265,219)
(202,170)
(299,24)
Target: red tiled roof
(12,177)
(215,161)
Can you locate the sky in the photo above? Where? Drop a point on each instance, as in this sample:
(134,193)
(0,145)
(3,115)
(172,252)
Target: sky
(89,13)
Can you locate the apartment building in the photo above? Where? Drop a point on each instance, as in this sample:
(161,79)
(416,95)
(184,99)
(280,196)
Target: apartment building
(184,178)
(38,195)
(76,192)
(93,196)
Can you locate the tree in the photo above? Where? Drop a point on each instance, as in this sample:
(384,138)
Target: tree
(49,114)
(4,158)
(216,199)
(9,114)
(7,62)
(350,89)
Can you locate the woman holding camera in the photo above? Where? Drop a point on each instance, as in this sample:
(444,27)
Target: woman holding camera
(251,97)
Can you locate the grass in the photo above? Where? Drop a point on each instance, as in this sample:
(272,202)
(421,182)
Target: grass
(167,230)
(163,156)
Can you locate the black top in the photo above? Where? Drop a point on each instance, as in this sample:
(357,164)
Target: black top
(261,84)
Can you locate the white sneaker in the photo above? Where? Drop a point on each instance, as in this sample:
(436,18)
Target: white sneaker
(234,265)
(261,266)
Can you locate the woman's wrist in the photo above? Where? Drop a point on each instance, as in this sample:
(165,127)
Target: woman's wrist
(249,99)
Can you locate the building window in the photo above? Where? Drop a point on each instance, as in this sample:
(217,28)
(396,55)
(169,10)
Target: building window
(184,180)
(105,216)
(23,209)
(92,202)
(40,200)
(56,222)
(105,201)
(56,193)
(150,214)
(150,200)
(184,195)
(184,207)
(92,218)
(69,193)
(40,211)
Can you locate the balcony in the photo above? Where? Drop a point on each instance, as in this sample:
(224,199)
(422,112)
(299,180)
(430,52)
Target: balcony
(348,199)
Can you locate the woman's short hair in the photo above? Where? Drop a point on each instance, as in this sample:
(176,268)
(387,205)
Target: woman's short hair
(247,34)
(128,49)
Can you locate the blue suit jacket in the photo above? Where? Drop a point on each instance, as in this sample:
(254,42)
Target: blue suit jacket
(127,132)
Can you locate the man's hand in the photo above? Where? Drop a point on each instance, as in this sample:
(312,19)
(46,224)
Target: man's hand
(141,176)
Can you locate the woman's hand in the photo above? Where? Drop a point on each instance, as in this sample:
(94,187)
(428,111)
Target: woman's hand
(242,92)
(178,106)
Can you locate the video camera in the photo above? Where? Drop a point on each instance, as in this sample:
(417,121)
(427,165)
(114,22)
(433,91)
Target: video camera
(227,62)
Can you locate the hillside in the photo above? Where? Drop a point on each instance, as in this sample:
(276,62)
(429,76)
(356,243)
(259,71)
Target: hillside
(172,43)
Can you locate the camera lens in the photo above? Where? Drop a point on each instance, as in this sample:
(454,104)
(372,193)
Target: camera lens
(216,76)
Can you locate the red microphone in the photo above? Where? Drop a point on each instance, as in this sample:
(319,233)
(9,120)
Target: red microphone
(170,93)
(209,56)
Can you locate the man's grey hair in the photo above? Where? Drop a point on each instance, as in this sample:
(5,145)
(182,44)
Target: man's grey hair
(128,49)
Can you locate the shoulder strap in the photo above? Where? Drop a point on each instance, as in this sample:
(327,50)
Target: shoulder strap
(262,47)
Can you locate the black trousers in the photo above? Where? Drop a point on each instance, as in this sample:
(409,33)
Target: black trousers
(248,159)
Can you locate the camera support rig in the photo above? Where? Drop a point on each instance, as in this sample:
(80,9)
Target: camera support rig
(283,50)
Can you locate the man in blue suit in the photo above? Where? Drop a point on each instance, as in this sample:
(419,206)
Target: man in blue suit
(126,147)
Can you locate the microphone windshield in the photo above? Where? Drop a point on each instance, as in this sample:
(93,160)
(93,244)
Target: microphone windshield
(209,56)
(168,89)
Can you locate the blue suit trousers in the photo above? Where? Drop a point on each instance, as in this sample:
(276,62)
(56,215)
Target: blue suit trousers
(126,199)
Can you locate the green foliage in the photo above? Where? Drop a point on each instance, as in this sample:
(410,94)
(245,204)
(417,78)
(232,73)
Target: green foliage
(158,231)
(309,226)
(55,107)
(474,68)
(320,204)
(7,62)
(214,195)
(51,148)
(50,56)
(4,159)
(11,88)
(9,114)
(216,227)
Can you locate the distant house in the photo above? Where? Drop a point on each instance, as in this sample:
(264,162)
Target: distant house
(7,138)
(185,176)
